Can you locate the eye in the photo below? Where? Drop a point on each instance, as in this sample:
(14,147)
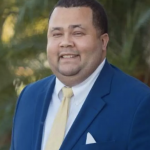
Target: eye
(78,33)
(57,35)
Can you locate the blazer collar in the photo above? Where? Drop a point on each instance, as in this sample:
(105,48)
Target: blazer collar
(41,112)
(91,108)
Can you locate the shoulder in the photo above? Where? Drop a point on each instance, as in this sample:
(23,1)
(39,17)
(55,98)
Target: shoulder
(42,83)
(40,86)
(34,91)
(128,84)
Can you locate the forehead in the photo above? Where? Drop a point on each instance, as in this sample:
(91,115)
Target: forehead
(62,16)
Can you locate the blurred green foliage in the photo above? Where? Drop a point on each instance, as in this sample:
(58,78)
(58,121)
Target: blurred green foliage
(23,29)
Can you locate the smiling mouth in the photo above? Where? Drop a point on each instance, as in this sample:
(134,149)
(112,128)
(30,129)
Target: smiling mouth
(68,56)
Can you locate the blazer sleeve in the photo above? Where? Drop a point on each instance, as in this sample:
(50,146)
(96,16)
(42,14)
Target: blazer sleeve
(139,138)
(12,147)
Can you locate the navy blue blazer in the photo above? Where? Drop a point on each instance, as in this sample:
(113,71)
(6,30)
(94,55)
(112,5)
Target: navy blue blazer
(116,113)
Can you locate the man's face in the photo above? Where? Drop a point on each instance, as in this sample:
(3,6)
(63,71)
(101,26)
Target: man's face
(74,49)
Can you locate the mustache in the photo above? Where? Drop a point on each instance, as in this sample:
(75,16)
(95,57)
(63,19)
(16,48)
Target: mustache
(68,51)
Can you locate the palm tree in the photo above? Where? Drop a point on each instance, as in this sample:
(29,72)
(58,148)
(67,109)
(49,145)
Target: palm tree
(129,23)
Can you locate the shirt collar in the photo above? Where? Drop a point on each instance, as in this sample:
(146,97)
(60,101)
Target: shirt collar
(88,83)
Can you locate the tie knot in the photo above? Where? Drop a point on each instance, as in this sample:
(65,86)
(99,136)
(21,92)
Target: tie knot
(67,92)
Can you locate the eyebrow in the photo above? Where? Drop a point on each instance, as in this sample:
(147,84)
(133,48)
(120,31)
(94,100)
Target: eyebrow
(56,28)
(71,27)
(76,26)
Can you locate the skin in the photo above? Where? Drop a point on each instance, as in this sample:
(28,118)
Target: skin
(74,49)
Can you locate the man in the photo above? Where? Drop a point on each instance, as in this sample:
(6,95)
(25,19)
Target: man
(105,110)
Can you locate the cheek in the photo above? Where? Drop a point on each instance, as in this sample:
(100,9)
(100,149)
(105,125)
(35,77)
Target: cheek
(86,47)
(52,54)
(52,49)
(90,51)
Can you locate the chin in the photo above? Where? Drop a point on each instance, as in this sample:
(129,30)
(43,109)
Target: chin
(69,72)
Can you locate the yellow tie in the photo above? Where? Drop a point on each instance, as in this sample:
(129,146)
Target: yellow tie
(58,129)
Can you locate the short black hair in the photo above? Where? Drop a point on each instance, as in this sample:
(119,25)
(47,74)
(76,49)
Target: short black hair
(99,15)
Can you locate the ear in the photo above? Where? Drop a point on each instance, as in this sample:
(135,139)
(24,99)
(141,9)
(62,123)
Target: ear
(104,40)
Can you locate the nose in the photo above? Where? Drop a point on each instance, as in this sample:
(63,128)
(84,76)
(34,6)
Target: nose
(66,42)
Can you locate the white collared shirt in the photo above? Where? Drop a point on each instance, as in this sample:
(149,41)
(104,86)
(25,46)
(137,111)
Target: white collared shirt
(76,102)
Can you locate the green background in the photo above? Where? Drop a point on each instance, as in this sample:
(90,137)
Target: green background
(23,29)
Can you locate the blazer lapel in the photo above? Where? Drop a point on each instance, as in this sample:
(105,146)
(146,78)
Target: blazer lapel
(91,108)
(41,111)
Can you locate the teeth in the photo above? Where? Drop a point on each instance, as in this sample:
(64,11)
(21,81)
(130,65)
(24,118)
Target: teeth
(67,56)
